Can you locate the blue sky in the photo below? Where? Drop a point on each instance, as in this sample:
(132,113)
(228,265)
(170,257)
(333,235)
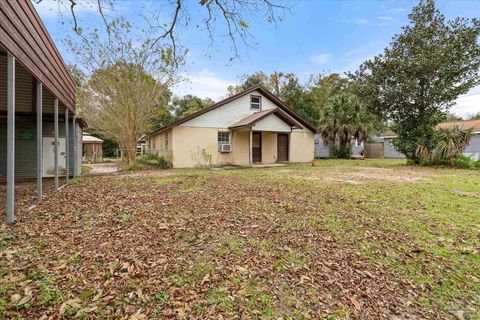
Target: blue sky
(315,37)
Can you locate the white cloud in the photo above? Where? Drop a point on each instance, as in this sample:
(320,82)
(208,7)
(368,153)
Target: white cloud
(468,104)
(377,21)
(204,84)
(385,18)
(361,21)
(320,59)
(397,10)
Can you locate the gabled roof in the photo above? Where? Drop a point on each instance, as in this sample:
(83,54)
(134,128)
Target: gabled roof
(467,124)
(90,139)
(282,105)
(257,116)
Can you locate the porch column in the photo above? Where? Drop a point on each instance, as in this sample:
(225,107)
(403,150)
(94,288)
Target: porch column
(10,138)
(55,148)
(250,144)
(67,154)
(74,131)
(39,142)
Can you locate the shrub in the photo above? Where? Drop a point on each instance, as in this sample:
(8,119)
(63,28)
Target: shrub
(463,162)
(340,152)
(445,148)
(156,160)
(134,167)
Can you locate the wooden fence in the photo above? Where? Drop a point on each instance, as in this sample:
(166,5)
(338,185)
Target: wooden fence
(373,150)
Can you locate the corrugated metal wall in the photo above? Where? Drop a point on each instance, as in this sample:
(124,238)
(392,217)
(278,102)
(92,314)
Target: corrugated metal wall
(78,131)
(472,150)
(389,150)
(26,146)
(23,87)
(323,151)
(24,90)
(23,34)
(474,145)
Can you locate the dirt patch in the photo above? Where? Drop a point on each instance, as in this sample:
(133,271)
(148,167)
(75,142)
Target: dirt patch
(371,174)
(102,168)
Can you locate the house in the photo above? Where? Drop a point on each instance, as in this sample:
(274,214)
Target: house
(252,127)
(92,148)
(472,150)
(322,149)
(39,134)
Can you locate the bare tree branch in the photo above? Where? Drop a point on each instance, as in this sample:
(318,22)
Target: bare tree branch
(233,15)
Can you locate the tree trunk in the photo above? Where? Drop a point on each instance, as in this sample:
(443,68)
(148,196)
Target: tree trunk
(132,152)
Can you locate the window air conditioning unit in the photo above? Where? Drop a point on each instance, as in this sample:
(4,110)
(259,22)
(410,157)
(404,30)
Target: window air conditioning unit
(226,148)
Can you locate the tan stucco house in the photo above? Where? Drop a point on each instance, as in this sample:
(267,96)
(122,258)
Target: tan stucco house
(252,127)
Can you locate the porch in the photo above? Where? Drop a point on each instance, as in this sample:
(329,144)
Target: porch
(267,134)
(39,133)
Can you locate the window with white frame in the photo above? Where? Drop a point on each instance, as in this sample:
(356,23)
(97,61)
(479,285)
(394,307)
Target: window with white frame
(223,138)
(358,143)
(255,102)
(166,140)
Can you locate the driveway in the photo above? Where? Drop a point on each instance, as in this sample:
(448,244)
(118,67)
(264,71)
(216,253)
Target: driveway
(102,168)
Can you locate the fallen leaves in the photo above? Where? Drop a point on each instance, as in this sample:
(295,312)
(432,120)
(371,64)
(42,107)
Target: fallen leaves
(201,246)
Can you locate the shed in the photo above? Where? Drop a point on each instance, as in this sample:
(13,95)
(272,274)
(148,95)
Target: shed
(92,148)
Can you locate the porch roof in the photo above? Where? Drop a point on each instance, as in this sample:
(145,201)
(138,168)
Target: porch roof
(257,116)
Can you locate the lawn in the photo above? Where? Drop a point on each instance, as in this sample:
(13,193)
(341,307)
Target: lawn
(347,239)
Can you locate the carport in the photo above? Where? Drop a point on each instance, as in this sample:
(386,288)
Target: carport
(39,134)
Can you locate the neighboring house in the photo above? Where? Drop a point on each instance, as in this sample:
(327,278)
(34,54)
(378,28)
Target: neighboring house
(92,148)
(141,146)
(39,135)
(472,150)
(322,149)
(251,127)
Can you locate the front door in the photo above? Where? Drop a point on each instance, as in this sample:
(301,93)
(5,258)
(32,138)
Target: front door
(257,146)
(282,147)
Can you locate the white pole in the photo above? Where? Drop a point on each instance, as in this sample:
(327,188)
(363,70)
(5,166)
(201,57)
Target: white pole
(67,153)
(55,149)
(39,142)
(10,138)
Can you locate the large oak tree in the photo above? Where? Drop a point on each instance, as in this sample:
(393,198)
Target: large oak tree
(418,77)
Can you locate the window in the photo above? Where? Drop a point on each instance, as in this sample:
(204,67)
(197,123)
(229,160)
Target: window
(223,138)
(166,140)
(358,143)
(255,102)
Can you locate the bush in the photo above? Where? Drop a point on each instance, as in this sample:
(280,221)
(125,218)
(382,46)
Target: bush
(156,160)
(445,148)
(460,162)
(134,167)
(340,152)
(463,162)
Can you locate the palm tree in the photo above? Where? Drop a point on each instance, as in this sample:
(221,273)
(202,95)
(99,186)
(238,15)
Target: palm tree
(449,144)
(344,119)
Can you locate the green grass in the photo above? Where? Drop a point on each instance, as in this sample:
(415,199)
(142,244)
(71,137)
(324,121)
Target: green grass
(247,240)
(427,231)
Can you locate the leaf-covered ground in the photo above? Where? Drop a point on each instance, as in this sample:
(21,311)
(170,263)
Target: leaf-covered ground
(347,239)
